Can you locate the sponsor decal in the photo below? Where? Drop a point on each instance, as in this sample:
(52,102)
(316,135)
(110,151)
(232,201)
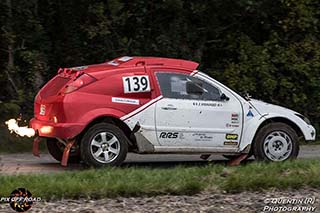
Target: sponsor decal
(113,63)
(125,58)
(235,118)
(230,143)
(125,101)
(202,137)
(207,104)
(232,125)
(170,135)
(250,114)
(42,109)
(231,136)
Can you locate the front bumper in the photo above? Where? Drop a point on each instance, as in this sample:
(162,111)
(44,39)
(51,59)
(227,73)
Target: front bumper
(309,133)
(56,130)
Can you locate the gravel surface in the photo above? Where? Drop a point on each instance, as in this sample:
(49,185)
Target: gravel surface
(204,202)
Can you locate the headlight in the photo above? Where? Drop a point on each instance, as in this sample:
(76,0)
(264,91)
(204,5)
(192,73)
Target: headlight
(304,118)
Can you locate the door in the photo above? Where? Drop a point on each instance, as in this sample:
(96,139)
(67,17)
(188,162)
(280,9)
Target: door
(196,113)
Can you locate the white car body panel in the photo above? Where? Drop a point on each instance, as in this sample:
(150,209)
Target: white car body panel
(198,123)
(144,116)
(269,111)
(201,126)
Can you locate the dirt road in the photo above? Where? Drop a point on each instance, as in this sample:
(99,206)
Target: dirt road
(27,163)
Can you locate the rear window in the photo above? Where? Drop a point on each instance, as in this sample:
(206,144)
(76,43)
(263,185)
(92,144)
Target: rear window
(54,86)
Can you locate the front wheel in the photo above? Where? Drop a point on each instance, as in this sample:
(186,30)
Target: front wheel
(276,142)
(104,144)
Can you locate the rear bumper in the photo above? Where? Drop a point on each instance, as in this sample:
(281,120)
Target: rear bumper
(56,130)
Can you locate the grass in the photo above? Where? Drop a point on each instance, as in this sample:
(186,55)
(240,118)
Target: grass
(317,142)
(113,182)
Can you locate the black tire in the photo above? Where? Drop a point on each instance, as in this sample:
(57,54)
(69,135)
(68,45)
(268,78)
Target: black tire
(56,149)
(273,130)
(95,132)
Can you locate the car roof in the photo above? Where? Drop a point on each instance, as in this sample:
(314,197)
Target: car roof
(158,61)
(128,61)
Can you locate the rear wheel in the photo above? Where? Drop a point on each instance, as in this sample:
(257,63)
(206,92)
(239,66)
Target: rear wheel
(56,148)
(276,142)
(104,144)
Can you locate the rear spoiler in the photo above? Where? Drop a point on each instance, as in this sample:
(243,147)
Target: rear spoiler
(69,71)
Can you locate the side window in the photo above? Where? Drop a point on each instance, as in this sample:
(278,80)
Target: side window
(181,86)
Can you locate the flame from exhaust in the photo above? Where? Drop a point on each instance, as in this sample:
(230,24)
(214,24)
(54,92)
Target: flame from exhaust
(19,130)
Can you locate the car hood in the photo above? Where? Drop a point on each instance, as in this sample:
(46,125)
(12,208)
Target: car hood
(264,108)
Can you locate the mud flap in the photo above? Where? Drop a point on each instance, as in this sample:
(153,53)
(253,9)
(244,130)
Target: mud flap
(35,148)
(66,152)
(237,159)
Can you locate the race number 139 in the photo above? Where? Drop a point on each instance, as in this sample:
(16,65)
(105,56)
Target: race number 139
(139,83)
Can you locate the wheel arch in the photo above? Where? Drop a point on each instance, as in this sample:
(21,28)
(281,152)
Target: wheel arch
(266,145)
(287,121)
(113,120)
(251,134)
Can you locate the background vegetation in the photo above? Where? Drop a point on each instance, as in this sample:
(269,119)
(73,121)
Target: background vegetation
(269,49)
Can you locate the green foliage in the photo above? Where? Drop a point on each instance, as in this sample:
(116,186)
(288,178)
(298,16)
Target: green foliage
(9,110)
(11,143)
(269,49)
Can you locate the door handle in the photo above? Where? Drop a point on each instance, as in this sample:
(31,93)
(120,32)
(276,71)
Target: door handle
(169,108)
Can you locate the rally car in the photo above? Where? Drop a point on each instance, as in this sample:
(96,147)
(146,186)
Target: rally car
(99,113)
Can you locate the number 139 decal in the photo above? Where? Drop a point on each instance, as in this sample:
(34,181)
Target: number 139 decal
(136,84)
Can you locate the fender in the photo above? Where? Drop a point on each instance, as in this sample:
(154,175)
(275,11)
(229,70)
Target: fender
(251,128)
(93,114)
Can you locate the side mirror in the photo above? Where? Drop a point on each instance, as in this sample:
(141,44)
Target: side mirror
(193,88)
(223,97)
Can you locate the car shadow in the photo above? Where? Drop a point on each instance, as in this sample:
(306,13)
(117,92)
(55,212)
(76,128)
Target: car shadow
(164,164)
(171,164)
(150,162)
(168,164)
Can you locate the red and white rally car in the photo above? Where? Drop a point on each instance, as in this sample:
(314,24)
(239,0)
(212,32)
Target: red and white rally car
(100,112)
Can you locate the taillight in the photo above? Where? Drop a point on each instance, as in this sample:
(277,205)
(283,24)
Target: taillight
(79,82)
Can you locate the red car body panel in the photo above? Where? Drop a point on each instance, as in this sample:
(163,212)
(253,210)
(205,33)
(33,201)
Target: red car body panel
(60,115)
